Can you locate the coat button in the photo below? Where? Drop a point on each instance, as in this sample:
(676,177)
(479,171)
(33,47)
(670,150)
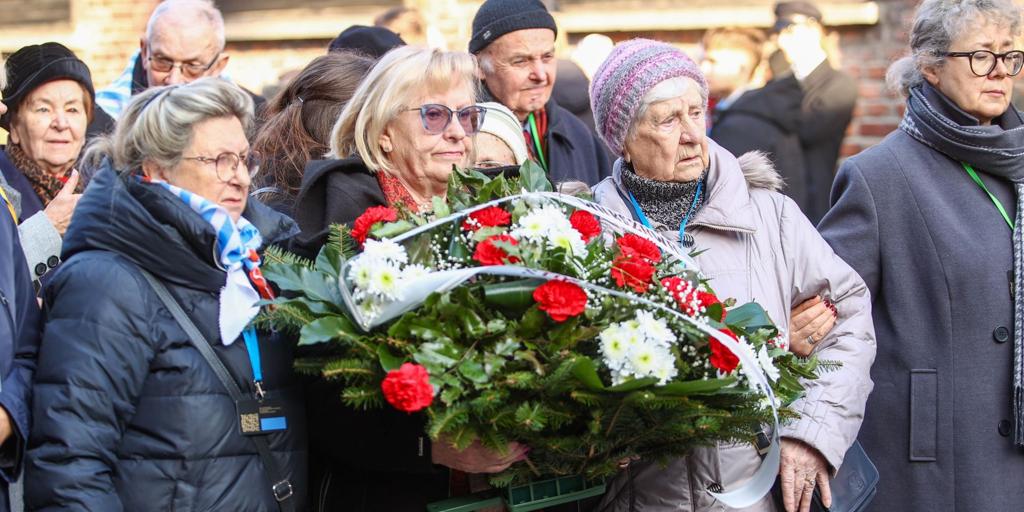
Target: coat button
(1001,334)
(52,261)
(1004,428)
(41,269)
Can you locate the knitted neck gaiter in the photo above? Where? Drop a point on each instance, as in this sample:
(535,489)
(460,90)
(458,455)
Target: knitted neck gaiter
(664,201)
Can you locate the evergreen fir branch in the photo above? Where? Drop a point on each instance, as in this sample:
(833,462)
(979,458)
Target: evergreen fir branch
(287,315)
(274,255)
(339,239)
(448,420)
(347,369)
(362,398)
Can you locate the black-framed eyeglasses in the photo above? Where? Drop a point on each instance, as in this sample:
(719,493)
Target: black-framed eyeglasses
(436,117)
(190,70)
(984,61)
(226,163)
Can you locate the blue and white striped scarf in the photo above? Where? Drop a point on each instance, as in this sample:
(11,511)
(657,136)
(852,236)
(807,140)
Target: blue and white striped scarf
(237,243)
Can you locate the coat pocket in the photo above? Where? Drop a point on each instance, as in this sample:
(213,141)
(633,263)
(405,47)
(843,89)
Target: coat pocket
(924,415)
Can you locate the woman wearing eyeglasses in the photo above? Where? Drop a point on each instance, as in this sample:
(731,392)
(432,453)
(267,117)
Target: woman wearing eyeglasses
(930,218)
(129,412)
(409,122)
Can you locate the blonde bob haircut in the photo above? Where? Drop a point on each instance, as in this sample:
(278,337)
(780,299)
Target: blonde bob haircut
(392,85)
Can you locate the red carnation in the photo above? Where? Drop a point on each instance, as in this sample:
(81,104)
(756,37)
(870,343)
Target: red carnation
(487,253)
(587,225)
(561,299)
(489,217)
(678,287)
(365,222)
(632,271)
(705,300)
(636,245)
(408,388)
(721,357)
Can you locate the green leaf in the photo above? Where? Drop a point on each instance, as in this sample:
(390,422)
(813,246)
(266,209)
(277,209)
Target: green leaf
(533,178)
(512,295)
(586,371)
(749,317)
(327,328)
(387,360)
(440,207)
(391,229)
(473,371)
(634,384)
(694,387)
(437,356)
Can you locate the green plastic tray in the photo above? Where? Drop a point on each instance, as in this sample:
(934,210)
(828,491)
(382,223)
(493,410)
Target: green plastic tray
(527,497)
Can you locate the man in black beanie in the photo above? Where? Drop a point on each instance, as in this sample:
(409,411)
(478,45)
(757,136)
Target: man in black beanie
(514,41)
(371,41)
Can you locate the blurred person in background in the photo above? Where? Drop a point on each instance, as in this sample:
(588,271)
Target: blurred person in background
(500,140)
(371,41)
(184,41)
(829,96)
(514,42)
(50,100)
(411,26)
(750,115)
(298,124)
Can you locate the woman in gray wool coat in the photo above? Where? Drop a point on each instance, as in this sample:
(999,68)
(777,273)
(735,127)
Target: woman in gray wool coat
(930,218)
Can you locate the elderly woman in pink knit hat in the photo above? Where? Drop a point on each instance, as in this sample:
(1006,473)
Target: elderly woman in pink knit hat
(754,244)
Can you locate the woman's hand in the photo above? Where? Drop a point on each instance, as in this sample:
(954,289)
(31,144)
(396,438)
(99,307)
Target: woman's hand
(476,458)
(810,321)
(802,468)
(62,206)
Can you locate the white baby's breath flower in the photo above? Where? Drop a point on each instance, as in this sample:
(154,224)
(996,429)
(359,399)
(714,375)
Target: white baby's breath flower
(748,372)
(385,250)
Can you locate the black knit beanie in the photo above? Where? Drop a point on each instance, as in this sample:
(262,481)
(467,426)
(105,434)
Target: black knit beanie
(496,18)
(35,65)
(372,41)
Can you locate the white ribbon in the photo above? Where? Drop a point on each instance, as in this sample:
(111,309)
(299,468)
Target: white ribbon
(414,292)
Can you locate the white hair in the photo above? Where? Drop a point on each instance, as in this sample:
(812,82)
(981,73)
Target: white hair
(191,10)
(664,90)
(158,124)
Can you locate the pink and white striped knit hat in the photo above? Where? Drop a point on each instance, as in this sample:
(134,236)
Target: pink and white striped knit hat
(632,69)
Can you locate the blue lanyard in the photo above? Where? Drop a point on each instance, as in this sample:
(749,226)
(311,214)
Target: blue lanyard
(252,346)
(686,218)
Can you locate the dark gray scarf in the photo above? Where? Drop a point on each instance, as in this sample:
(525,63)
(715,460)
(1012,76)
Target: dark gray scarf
(664,201)
(997,149)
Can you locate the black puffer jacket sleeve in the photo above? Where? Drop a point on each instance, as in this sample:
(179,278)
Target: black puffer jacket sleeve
(94,358)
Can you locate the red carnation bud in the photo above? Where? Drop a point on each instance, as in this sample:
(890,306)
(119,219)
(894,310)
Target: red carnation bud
(408,388)
(365,222)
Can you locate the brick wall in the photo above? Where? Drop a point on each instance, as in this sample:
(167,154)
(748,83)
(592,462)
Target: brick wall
(106,33)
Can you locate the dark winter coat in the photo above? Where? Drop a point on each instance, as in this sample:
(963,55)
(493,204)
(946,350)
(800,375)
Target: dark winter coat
(829,99)
(937,257)
(768,119)
(19,339)
(128,414)
(372,461)
(572,92)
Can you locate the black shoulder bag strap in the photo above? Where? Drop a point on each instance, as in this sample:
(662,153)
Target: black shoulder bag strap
(280,487)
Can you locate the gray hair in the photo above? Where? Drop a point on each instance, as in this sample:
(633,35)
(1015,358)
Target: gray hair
(664,90)
(192,10)
(937,23)
(157,126)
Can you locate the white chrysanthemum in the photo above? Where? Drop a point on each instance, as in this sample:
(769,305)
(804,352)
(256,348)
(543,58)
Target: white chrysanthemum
(531,226)
(613,347)
(384,250)
(748,372)
(413,272)
(644,359)
(632,333)
(568,239)
(666,370)
(655,328)
(767,364)
(368,308)
(360,272)
(385,281)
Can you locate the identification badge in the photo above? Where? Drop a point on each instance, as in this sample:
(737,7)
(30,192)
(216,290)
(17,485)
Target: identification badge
(261,417)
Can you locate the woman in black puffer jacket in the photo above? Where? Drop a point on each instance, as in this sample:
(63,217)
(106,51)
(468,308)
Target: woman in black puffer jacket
(128,413)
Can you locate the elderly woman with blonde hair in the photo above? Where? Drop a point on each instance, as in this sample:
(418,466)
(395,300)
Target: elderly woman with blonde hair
(413,119)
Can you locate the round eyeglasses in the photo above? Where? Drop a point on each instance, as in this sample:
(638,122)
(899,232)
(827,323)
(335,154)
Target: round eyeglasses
(190,70)
(226,163)
(984,61)
(436,117)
